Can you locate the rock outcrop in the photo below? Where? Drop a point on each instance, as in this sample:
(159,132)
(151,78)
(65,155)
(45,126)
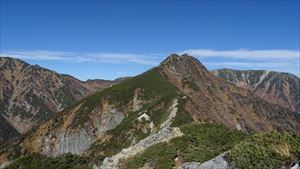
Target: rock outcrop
(218,162)
(296,165)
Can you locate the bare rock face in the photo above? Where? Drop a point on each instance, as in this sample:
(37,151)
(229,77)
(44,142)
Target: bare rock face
(191,165)
(212,100)
(30,94)
(275,87)
(218,162)
(74,143)
(108,120)
(295,165)
(59,136)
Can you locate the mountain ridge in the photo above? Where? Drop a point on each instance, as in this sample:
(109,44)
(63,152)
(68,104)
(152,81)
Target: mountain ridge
(31,94)
(118,119)
(275,87)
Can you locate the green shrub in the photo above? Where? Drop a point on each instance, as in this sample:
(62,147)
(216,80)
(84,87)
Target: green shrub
(200,143)
(153,87)
(37,161)
(182,117)
(161,154)
(265,151)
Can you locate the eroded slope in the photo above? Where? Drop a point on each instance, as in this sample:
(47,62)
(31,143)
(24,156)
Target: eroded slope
(275,87)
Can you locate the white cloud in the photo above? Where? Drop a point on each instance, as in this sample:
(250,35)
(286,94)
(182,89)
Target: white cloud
(275,66)
(278,60)
(115,58)
(245,53)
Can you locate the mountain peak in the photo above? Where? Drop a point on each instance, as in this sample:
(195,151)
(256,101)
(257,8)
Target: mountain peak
(183,65)
(176,57)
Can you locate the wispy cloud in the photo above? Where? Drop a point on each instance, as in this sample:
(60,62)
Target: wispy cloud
(275,66)
(278,60)
(245,53)
(114,58)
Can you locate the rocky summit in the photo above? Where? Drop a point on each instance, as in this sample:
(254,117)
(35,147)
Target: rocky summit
(175,115)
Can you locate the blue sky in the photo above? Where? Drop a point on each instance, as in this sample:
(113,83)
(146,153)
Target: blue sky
(108,39)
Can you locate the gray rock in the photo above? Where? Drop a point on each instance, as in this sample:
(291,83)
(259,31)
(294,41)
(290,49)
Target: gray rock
(218,162)
(191,165)
(63,141)
(296,165)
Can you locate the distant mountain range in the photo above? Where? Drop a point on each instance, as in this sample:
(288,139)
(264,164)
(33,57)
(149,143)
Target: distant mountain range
(275,87)
(31,94)
(175,115)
